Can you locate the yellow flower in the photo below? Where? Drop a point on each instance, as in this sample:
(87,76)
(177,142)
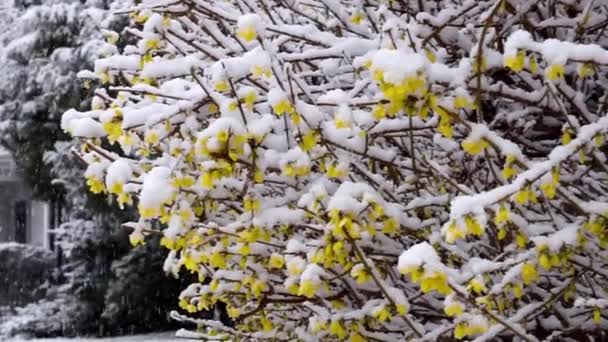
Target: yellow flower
(124,198)
(382,314)
(112,37)
(598,140)
(251,204)
(446,128)
(104,77)
(289,170)
(293,289)
(586,70)
(294,268)
(95,185)
(502,215)
(250,99)
(545,261)
(464,329)
(257,287)
(378,75)
(533,64)
(517,290)
(516,63)
(357,18)
(233,312)
(266,324)
(454,233)
(148,213)
(247,33)
(523,196)
(548,189)
(360,274)
(521,240)
(473,226)
(244,249)
(190,263)
(379,112)
(474,146)
(341,123)
(415,272)
(309,141)
(113,129)
(214,285)
(461,102)
(250,235)
(502,233)
(430,55)
(208,179)
(555,71)
(221,86)
(453,309)
(597,315)
(217,260)
(258,176)
(276,261)
(460,331)
(390,226)
(222,136)
(475,329)
(167,243)
(126,141)
(136,238)
(335,172)
(529,273)
(567,136)
(476,285)
(152,44)
(259,71)
(356,337)
(318,326)
(183,182)
(508,172)
(140,17)
(435,281)
(282,107)
(337,329)
(232,106)
(145,59)
(151,138)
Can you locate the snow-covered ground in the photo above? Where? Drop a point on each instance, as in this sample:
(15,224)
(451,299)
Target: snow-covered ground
(168,336)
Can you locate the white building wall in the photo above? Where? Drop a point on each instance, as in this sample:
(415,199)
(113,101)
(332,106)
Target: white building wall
(13,190)
(38,226)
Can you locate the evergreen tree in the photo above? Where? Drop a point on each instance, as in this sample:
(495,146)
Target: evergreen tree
(44,46)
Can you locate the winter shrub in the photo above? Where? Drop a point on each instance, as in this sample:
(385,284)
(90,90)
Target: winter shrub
(139,297)
(23,270)
(364,170)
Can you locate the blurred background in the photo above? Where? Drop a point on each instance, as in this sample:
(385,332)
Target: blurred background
(66,266)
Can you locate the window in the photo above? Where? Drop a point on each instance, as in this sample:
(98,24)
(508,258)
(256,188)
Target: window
(21,221)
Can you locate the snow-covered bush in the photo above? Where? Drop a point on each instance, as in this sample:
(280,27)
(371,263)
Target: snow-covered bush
(370,170)
(35,265)
(139,296)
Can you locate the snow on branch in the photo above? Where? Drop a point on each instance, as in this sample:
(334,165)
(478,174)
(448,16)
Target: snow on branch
(363,170)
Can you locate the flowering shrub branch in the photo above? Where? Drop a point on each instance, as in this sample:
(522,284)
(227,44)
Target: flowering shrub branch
(365,170)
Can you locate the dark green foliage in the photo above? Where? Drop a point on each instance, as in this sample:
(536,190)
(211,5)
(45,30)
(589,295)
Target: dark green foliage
(104,287)
(34,265)
(132,305)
